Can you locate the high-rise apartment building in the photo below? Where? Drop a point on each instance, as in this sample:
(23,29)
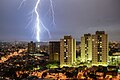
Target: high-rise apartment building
(67,51)
(95,48)
(31,47)
(54,50)
(86,48)
(99,48)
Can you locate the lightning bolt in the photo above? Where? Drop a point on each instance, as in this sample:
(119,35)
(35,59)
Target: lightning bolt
(52,10)
(21,4)
(38,22)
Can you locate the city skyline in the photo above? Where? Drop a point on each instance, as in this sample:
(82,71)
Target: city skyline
(74,18)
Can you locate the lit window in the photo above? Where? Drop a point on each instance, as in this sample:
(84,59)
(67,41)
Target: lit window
(64,39)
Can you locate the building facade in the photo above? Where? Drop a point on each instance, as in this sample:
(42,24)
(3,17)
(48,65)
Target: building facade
(31,47)
(42,47)
(86,48)
(114,59)
(54,50)
(95,48)
(99,48)
(67,51)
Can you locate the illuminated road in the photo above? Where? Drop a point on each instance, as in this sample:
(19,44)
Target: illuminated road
(5,58)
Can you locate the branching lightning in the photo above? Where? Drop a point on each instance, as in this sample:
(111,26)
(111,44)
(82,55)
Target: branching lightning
(52,10)
(38,22)
(21,4)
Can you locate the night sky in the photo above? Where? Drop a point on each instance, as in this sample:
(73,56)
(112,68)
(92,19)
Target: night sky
(72,17)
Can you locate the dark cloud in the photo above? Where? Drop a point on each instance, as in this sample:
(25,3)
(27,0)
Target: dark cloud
(75,17)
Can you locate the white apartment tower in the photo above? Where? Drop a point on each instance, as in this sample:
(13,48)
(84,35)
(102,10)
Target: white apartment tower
(95,48)
(99,48)
(86,48)
(67,51)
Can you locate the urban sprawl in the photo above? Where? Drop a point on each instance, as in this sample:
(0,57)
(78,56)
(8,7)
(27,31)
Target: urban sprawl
(91,58)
